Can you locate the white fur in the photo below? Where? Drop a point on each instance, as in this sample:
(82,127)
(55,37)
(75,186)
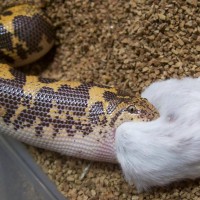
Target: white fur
(167,149)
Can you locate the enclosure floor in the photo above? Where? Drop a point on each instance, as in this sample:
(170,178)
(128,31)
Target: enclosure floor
(127,44)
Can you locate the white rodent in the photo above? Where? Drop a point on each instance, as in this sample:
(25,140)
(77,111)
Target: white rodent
(167,149)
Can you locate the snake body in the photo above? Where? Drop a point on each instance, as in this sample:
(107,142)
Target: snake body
(72,118)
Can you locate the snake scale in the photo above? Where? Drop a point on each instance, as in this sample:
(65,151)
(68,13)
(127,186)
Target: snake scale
(73,118)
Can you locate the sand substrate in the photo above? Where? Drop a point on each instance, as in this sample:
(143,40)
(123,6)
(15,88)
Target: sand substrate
(128,44)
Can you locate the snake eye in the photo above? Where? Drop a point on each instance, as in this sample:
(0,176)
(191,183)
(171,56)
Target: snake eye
(132,109)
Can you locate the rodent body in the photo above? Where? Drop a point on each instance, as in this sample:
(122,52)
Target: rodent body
(73,118)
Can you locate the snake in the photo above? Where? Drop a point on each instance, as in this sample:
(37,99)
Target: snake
(73,118)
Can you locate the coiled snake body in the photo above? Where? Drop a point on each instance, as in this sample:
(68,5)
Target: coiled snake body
(73,118)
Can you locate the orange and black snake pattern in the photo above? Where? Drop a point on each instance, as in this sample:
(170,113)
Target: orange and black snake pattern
(73,118)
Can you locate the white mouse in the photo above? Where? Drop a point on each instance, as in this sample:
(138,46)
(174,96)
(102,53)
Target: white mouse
(159,152)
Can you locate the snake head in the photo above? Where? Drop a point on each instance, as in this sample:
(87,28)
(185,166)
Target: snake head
(142,110)
(133,109)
